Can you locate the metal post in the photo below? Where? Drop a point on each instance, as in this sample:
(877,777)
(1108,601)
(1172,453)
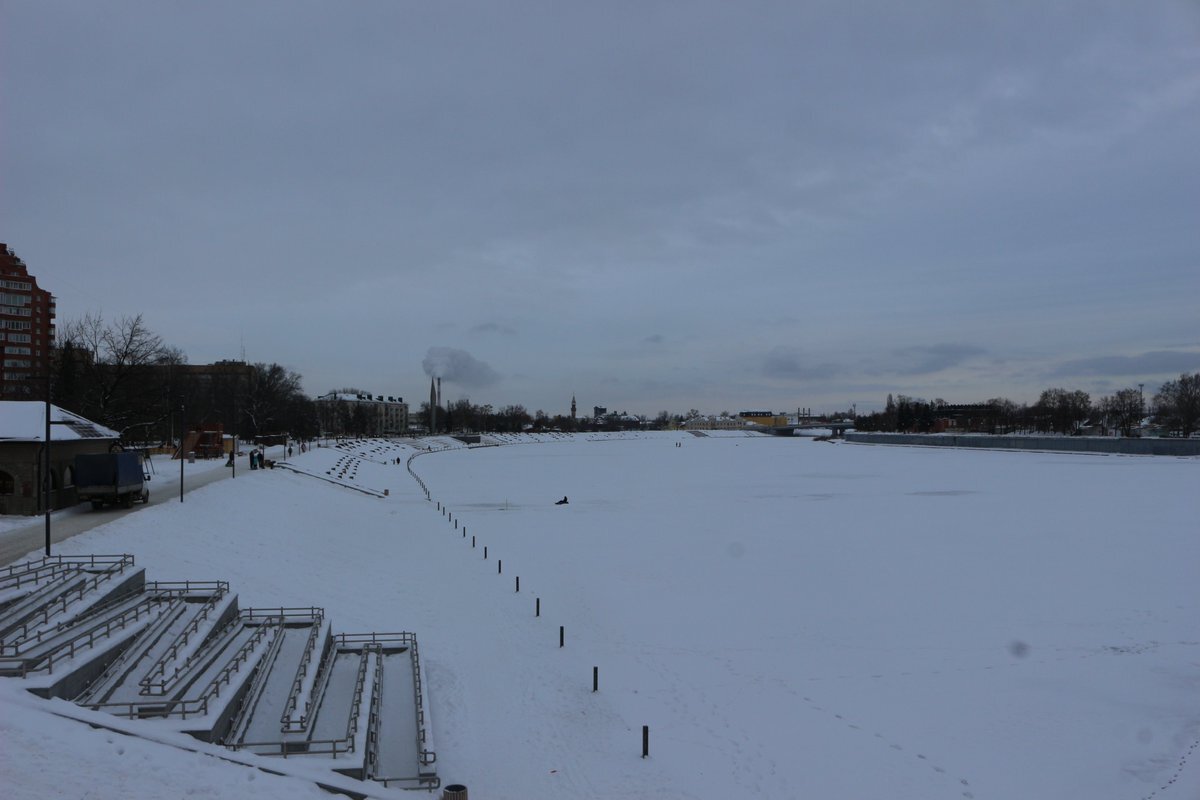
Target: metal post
(46,474)
(645,740)
(182,439)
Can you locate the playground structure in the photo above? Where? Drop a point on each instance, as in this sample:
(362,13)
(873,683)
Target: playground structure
(206,442)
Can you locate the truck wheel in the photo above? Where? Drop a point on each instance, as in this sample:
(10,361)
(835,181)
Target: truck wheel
(97,505)
(127,500)
(146,496)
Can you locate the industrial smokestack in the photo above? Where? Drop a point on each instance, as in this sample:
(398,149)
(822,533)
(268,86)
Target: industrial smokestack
(439,390)
(432,406)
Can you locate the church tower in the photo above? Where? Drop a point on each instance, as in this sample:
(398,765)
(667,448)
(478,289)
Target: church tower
(572,406)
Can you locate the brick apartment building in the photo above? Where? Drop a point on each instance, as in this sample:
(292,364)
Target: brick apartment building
(26,328)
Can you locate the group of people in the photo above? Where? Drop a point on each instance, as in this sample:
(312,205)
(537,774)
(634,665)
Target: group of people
(258,460)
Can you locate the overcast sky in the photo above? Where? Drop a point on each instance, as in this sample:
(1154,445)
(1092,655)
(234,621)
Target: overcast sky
(648,205)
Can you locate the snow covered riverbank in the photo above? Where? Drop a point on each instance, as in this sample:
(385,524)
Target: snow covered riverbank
(791,618)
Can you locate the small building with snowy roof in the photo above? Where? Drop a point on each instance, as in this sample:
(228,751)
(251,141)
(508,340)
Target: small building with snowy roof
(22,454)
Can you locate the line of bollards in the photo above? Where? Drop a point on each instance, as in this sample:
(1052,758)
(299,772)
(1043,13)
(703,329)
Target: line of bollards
(537,612)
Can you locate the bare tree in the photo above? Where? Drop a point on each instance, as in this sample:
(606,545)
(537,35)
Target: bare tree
(1062,410)
(271,392)
(1178,404)
(1123,410)
(119,379)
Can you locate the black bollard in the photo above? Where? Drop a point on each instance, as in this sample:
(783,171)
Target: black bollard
(537,608)
(485,552)
(518,583)
(499,566)
(595,679)
(561,635)
(645,740)
(472,541)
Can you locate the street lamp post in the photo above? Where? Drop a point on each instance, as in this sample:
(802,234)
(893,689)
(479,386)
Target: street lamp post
(46,471)
(182,439)
(44,458)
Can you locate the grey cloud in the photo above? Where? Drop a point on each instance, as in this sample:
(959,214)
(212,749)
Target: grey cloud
(494,327)
(655,339)
(787,362)
(1156,362)
(930,358)
(458,366)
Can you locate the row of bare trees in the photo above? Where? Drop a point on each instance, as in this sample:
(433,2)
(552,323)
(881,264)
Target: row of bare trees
(1175,408)
(121,374)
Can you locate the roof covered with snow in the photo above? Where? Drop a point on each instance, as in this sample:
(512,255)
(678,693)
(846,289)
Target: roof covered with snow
(25,421)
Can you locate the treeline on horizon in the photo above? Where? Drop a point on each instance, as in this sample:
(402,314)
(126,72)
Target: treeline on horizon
(122,375)
(1175,409)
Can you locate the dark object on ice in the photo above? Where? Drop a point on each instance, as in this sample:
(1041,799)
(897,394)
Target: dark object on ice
(562,502)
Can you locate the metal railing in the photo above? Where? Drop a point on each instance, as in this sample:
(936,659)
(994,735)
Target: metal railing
(63,599)
(158,670)
(331,747)
(196,705)
(22,666)
(133,653)
(79,562)
(286,722)
(260,677)
(374,719)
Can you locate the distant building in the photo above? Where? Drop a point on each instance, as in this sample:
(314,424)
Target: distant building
(768,418)
(711,423)
(22,448)
(26,328)
(599,412)
(350,414)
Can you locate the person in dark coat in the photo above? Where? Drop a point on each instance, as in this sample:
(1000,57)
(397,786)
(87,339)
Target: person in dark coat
(562,502)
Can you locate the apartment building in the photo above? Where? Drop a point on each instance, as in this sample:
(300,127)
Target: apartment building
(26,328)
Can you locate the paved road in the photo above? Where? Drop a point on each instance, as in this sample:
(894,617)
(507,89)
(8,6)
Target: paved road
(164,488)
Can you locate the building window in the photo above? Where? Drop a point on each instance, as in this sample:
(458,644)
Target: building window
(68,476)
(7,485)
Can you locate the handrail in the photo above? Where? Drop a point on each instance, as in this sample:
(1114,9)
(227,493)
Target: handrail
(71,594)
(99,631)
(61,560)
(285,721)
(196,705)
(264,668)
(360,682)
(159,667)
(135,652)
(321,746)
(373,719)
(426,756)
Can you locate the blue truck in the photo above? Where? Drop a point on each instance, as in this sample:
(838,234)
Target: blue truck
(111,478)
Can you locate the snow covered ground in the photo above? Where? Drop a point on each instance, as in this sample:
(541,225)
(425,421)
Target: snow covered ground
(790,618)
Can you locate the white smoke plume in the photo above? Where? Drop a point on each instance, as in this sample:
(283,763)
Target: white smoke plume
(458,367)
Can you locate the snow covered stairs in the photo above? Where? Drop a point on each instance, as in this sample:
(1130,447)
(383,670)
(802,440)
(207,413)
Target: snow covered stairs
(273,681)
(59,608)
